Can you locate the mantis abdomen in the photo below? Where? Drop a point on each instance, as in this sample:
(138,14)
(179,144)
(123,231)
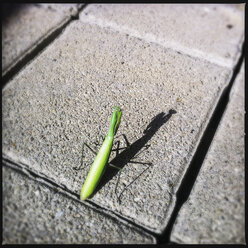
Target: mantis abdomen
(98,167)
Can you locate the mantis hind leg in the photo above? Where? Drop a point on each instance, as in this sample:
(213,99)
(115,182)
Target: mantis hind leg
(128,146)
(118,179)
(82,156)
(119,174)
(126,187)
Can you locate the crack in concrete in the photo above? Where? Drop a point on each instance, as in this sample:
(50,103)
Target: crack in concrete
(192,172)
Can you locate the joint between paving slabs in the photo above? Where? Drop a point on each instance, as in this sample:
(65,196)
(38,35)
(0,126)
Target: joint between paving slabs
(195,165)
(31,53)
(67,193)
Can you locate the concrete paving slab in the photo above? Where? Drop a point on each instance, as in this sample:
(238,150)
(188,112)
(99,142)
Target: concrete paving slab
(66,8)
(239,6)
(66,96)
(28,26)
(208,31)
(36,214)
(214,212)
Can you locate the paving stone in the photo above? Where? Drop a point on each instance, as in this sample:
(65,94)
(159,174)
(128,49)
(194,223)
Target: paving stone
(239,6)
(214,212)
(208,31)
(28,26)
(66,96)
(37,214)
(65,9)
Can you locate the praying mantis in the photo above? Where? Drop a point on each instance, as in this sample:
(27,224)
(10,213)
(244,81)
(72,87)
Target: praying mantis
(101,160)
(99,165)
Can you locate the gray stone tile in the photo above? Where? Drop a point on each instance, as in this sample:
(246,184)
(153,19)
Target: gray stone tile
(65,9)
(67,94)
(214,212)
(37,214)
(28,26)
(208,31)
(239,6)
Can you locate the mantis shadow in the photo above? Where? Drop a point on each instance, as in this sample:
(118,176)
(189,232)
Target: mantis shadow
(125,156)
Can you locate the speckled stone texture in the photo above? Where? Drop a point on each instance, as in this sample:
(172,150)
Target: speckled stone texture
(208,31)
(66,96)
(27,26)
(36,214)
(66,9)
(214,212)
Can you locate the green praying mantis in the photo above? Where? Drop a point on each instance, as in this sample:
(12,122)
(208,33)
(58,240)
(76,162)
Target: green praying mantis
(101,160)
(99,165)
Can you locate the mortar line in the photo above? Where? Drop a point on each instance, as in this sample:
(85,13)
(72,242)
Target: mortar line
(172,46)
(74,196)
(196,163)
(31,53)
